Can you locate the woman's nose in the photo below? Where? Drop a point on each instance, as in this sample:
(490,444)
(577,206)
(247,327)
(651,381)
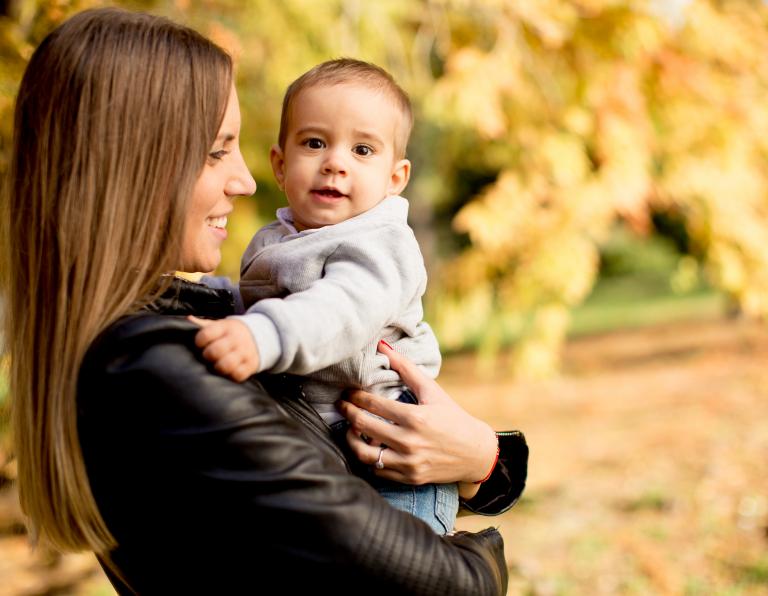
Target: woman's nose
(241,183)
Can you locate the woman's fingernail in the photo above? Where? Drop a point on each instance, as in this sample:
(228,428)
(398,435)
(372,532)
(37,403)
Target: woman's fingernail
(381,341)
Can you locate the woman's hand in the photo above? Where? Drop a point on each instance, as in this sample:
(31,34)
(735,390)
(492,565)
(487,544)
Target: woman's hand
(434,442)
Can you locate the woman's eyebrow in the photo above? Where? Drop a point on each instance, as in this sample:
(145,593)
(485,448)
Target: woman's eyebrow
(225,136)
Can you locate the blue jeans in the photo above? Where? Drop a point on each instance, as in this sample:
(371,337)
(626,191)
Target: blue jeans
(435,504)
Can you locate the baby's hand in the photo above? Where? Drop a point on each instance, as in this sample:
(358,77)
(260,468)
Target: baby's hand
(229,345)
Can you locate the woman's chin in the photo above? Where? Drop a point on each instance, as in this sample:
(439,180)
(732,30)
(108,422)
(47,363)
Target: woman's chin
(202,265)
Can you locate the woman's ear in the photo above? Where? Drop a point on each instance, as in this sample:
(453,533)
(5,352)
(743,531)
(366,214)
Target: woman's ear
(401,173)
(277,159)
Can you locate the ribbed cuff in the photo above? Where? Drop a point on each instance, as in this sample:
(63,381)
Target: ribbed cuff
(265,335)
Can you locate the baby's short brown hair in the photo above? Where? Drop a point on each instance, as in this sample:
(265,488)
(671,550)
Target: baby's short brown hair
(349,70)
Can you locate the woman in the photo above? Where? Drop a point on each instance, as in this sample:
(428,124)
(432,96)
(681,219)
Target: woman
(125,160)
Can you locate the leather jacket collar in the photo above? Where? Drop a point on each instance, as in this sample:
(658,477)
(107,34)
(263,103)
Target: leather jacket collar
(189,298)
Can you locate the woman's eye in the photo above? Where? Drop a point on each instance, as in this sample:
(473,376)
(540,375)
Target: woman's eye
(218,154)
(314,143)
(363,150)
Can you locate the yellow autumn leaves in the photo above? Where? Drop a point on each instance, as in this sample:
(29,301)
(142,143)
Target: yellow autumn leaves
(540,127)
(616,112)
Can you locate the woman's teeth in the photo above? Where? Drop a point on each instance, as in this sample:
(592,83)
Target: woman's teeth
(216,222)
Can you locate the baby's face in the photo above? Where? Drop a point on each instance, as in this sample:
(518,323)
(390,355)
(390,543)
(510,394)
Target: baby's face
(339,158)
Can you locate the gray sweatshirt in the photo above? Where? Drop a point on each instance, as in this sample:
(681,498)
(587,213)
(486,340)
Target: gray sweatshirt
(319,301)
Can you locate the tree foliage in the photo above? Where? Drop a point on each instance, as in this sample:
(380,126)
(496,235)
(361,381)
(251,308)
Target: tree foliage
(540,127)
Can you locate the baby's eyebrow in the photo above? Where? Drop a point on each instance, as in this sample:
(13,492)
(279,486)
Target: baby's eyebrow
(370,136)
(309,129)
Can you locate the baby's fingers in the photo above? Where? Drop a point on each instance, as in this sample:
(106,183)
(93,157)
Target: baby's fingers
(209,331)
(219,348)
(199,322)
(228,365)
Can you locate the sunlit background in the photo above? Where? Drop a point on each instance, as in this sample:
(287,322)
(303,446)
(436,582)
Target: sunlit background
(590,192)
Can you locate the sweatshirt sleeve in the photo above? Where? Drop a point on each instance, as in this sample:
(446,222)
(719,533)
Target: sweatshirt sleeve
(365,286)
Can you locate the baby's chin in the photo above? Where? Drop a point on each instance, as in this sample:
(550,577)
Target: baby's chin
(318,222)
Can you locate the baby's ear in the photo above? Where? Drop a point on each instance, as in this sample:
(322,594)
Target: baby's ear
(401,173)
(277,159)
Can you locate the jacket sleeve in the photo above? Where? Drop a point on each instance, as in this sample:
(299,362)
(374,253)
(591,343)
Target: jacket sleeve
(230,461)
(507,482)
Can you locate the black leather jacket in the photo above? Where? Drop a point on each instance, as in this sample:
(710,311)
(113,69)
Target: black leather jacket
(215,487)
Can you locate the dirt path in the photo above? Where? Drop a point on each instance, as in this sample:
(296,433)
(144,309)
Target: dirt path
(649,469)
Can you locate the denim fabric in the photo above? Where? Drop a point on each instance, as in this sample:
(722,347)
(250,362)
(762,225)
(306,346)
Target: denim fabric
(435,504)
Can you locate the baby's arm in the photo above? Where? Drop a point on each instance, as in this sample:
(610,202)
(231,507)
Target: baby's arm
(228,343)
(367,285)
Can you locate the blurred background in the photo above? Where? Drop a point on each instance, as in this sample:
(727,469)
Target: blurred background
(590,191)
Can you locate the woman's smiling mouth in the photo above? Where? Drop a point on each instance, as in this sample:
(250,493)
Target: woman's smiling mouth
(217,222)
(218,226)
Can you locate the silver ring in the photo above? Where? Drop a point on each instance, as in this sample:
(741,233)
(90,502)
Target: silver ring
(379,465)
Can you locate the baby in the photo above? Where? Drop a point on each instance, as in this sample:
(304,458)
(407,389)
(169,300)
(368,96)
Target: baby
(340,269)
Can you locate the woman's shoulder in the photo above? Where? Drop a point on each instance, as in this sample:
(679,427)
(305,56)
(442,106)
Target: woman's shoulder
(149,362)
(138,349)
(162,324)
(145,334)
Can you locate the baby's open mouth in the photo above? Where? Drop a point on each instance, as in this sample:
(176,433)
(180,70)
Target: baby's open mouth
(329,192)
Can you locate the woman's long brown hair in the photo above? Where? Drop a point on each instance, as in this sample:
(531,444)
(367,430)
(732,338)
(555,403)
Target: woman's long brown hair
(114,118)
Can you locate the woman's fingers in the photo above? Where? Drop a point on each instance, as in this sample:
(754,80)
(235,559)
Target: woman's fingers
(381,406)
(425,388)
(392,461)
(411,374)
(376,429)
(434,441)
(366,452)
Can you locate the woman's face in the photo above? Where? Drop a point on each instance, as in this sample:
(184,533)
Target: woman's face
(224,177)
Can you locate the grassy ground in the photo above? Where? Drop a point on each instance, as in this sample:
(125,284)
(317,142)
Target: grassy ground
(649,459)
(638,301)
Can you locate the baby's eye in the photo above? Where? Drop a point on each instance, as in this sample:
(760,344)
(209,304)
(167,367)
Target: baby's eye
(314,143)
(363,150)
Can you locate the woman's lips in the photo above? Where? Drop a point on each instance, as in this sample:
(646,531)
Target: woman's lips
(217,225)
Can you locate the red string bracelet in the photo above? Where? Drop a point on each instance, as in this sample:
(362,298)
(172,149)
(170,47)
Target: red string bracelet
(493,466)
